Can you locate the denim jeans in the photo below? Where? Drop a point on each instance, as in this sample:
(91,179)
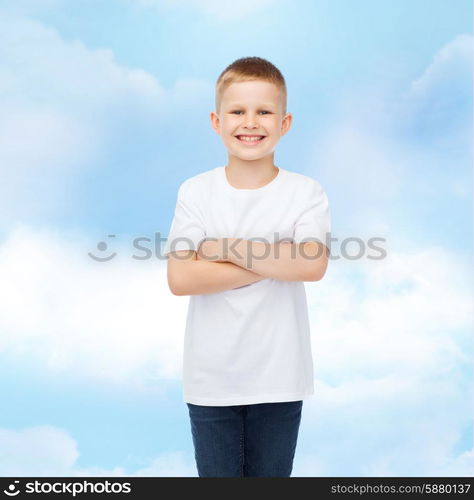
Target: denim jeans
(256,440)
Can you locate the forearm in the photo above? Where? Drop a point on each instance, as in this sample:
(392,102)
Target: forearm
(203,277)
(280,261)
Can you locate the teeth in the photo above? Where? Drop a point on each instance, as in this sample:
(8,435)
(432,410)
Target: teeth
(244,138)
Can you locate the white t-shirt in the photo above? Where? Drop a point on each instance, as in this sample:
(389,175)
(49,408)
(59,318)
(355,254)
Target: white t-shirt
(250,344)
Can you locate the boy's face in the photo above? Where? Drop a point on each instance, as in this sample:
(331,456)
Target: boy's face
(251,108)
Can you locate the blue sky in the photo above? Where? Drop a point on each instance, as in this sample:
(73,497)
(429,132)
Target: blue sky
(104,111)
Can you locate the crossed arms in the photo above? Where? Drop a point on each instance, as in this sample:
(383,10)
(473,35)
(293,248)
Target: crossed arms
(228,263)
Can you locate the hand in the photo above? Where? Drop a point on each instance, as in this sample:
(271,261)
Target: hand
(211,250)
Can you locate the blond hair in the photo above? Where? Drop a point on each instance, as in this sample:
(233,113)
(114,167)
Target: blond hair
(247,69)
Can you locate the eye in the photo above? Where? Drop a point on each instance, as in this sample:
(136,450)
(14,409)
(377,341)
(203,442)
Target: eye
(237,111)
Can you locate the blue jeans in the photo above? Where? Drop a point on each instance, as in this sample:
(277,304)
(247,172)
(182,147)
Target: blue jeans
(256,440)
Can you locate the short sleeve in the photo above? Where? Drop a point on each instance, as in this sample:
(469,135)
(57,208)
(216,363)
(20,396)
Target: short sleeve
(314,221)
(187,228)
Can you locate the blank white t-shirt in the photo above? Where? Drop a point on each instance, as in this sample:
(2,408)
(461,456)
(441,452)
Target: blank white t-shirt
(250,344)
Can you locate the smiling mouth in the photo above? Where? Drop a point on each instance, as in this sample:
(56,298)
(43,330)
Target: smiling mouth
(250,140)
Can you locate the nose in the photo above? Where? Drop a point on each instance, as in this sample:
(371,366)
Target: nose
(250,121)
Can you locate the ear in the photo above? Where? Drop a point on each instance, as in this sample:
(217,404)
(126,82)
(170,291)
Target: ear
(286,123)
(215,122)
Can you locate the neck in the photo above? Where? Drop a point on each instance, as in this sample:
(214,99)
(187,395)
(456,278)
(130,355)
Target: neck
(250,174)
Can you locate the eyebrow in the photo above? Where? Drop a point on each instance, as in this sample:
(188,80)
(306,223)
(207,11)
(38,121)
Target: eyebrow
(234,104)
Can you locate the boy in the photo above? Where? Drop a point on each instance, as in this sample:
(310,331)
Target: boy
(247,356)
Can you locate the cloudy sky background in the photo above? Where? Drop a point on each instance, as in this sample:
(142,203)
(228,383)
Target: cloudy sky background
(104,111)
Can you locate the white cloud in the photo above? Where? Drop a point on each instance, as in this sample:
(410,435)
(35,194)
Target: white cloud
(222,10)
(50,451)
(36,451)
(438,103)
(450,65)
(56,99)
(62,105)
(172,464)
(411,311)
(462,465)
(392,346)
(398,425)
(57,71)
(386,153)
(113,321)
